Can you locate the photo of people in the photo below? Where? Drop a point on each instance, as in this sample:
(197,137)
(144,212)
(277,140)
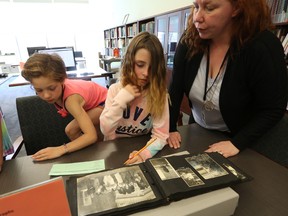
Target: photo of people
(206,166)
(164,169)
(190,178)
(112,189)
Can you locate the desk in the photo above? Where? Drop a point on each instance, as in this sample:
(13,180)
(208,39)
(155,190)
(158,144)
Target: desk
(265,195)
(107,62)
(77,74)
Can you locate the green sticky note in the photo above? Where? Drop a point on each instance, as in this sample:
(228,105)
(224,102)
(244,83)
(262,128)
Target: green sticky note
(77,168)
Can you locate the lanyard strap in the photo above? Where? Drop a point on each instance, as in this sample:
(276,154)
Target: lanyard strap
(207,73)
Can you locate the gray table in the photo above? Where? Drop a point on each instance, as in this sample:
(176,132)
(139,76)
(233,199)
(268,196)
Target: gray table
(266,194)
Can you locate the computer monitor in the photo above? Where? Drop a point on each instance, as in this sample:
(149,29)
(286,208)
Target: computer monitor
(32,50)
(78,54)
(66,53)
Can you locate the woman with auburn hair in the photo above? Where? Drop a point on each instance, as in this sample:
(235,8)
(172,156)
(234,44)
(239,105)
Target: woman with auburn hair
(138,103)
(232,68)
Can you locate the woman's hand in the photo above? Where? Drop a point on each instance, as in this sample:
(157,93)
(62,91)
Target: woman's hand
(174,140)
(133,89)
(226,148)
(49,153)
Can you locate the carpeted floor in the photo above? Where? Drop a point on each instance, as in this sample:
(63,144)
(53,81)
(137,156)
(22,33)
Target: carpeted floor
(8,97)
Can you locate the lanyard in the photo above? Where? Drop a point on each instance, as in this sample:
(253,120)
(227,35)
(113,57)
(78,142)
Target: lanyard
(207,73)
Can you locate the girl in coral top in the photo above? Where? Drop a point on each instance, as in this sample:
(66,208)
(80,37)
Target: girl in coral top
(138,104)
(84,100)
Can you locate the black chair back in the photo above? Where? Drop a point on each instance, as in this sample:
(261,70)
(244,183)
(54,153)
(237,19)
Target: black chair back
(41,126)
(274,144)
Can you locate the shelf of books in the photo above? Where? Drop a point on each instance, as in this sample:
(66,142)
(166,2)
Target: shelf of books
(278,10)
(147,25)
(119,37)
(111,40)
(279,14)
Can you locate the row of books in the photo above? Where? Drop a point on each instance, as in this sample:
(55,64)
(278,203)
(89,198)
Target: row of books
(122,32)
(285,44)
(280,33)
(114,33)
(132,30)
(121,42)
(129,31)
(279,10)
(149,26)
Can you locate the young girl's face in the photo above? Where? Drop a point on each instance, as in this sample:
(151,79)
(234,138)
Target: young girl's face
(47,89)
(142,66)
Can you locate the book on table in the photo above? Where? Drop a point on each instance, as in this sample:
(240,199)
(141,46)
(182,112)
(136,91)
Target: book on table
(156,182)
(47,198)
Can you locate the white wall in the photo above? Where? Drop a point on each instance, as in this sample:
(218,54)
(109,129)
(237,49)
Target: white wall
(78,25)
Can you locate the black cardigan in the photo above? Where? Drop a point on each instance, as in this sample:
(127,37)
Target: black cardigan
(253,95)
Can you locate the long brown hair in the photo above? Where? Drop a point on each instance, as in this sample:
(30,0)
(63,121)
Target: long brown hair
(156,89)
(253,17)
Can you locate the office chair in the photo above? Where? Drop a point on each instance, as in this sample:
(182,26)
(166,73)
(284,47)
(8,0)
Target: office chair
(274,144)
(41,126)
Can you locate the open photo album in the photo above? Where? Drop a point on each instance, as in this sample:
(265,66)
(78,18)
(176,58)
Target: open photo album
(156,182)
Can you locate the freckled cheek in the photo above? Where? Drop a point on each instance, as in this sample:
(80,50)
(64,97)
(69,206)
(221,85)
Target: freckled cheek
(138,73)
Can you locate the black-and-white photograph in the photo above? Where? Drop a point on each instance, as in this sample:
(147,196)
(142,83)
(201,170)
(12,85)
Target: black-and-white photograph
(206,166)
(234,171)
(112,189)
(190,178)
(164,169)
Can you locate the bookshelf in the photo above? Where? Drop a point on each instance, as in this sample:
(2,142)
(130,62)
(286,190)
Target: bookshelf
(279,14)
(119,37)
(173,25)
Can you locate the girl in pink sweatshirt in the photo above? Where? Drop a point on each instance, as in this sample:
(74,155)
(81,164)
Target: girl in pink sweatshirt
(138,103)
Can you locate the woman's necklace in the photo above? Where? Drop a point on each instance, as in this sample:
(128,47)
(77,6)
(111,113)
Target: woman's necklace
(208,104)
